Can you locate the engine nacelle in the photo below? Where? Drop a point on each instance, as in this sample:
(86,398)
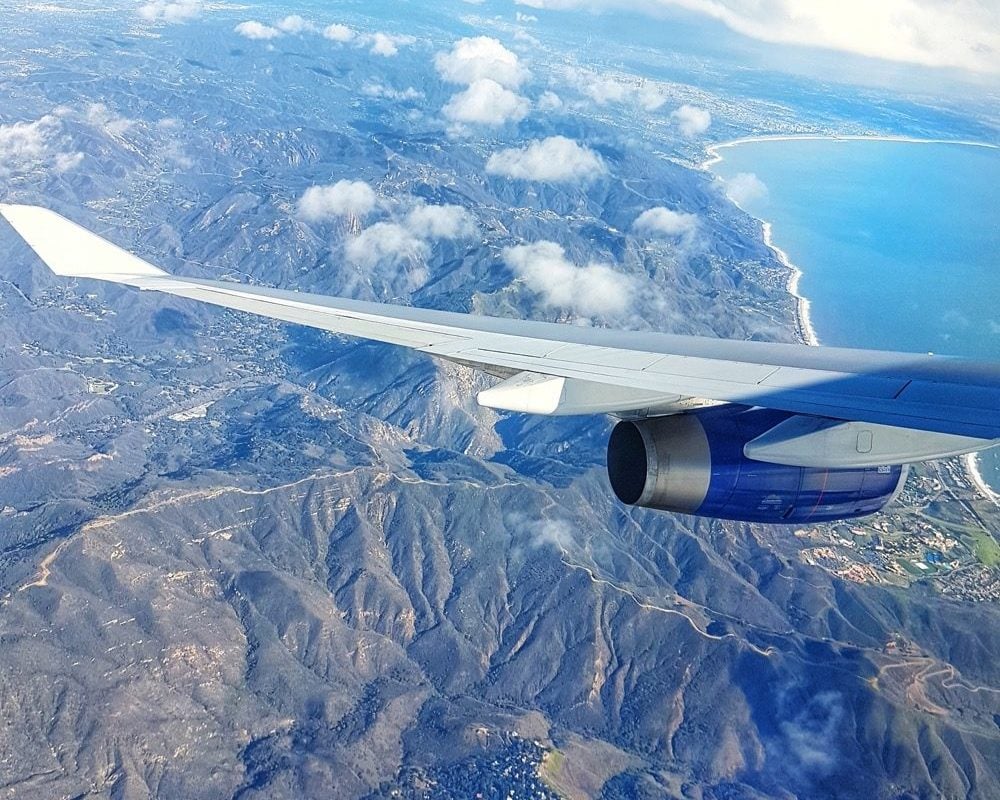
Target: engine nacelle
(694,464)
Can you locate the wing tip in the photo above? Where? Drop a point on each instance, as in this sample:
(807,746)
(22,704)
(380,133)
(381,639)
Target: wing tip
(70,250)
(20,212)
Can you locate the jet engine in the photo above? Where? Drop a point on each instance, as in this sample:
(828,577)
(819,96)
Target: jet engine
(693,463)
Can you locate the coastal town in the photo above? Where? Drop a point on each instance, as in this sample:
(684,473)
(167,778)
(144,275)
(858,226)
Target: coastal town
(940,531)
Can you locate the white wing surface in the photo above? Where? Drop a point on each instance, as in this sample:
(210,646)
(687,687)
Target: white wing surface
(562,369)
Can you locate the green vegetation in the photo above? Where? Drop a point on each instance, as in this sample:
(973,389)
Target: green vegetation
(986,548)
(910,567)
(550,768)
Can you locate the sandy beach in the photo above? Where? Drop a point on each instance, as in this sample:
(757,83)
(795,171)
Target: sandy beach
(803,321)
(715,157)
(971,462)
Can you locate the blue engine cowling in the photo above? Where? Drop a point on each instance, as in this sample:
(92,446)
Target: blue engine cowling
(694,464)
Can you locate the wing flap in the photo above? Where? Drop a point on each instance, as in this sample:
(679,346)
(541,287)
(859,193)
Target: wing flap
(604,356)
(731,372)
(948,394)
(846,383)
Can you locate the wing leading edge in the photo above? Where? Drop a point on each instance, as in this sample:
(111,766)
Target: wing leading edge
(553,368)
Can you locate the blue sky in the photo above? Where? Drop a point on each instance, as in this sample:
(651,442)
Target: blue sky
(963,34)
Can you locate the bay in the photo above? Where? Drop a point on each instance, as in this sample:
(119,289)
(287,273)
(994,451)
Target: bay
(898,242)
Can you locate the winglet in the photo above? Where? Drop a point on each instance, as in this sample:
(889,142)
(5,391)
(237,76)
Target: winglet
(68,249)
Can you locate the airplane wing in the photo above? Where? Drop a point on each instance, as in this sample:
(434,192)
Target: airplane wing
(936,405)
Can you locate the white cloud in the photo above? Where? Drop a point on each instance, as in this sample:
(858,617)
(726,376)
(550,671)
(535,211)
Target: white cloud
(341,199)
(525,18)
(604,90)
(338,33)
(486,102)
(409,238)
(251,29)
(554,159)
(651,96)
(555,533)
(293,24)
(810,738)
(174,153)
(541,532)
(956,33)
(745,187)
(100,116)
(381,90)
(387,242)
(385,44)
(26,141)
(379,44)
(662,221)
(170,10)
(492,73)
(524,37)
(441,222)
(591,289)
(63,162)
(473,59)
(549,101)
(691,120)
(34,145)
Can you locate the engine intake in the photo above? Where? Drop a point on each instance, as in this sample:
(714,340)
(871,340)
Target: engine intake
(694,464)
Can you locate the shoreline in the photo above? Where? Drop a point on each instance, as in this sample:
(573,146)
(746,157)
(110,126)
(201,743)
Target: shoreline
(715,158)
(803,320)
(971,462)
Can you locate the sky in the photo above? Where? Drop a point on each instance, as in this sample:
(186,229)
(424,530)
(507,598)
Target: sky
(950,42)
(959,34)
(962,34)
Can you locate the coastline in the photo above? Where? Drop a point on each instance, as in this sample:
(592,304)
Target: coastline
(714,156)
(803,320)
(971,462)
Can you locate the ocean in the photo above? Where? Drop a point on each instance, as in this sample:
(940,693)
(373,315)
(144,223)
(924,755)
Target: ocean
(898,242)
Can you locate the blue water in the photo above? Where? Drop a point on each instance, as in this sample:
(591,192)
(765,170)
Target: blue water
(898,242)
